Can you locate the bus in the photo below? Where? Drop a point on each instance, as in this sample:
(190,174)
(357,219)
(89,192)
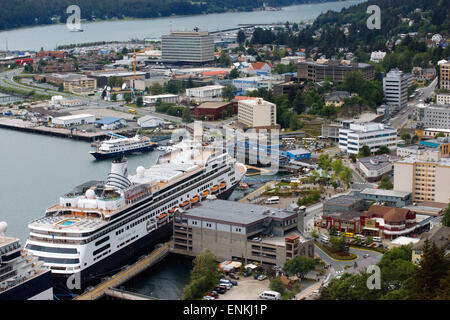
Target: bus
(273,200)
(349,235)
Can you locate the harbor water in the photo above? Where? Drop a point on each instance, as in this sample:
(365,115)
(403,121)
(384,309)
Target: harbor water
(35,170)
(49,37)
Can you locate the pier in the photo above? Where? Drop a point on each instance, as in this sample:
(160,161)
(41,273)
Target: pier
(24,126)
(107,287)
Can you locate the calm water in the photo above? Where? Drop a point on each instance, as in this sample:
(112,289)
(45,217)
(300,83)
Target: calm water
(35,170)
(51,36)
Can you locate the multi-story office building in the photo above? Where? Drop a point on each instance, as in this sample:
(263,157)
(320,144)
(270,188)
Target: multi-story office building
(257,113)
(188,47)
(335,70)
(434,116)
(426,176)
(235,231)
(444,75)
(375,167)
(395,86)
(352,137)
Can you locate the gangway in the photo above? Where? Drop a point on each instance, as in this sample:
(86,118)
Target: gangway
(112,134)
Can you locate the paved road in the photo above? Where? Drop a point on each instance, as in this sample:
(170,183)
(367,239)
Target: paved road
(401,118)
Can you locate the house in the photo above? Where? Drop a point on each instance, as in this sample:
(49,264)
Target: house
(298,154)
(149,122)
(258,68)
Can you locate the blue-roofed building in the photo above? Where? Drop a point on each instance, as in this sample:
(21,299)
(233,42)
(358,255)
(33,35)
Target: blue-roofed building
(441,143)
(298,154)
(109,123)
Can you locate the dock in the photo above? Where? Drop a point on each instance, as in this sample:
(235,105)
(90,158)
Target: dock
(107,287)
(25,126)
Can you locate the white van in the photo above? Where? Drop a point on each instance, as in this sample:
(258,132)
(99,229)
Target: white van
(273,200)
(324,238)
(270,295)
(376,239)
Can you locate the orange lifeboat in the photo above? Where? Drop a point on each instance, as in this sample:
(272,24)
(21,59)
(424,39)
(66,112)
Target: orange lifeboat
(215,189)
(173,210)
(205,193)
(195,199)
(223,185)
(184,204)
(162,216)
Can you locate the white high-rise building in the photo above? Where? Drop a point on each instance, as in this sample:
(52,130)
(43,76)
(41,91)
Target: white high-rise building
(395,86)
(188,47)
(257,113)
(352,137)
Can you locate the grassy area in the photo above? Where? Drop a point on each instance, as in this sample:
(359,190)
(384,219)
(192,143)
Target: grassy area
(24,93)
(336,255)
(380,250)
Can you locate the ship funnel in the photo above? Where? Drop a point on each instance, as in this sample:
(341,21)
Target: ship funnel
(118,178)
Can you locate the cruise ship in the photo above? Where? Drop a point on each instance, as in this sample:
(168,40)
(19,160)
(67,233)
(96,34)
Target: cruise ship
(22,276)
(99,226)
(120,145)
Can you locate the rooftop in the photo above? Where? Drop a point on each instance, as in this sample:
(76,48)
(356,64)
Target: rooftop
(376,162)
(237,213)
(386,193)
(343,200)
(440,236)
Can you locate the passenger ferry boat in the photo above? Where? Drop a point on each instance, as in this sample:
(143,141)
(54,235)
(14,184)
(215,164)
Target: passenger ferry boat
(120,146)
(22,276)
(100,226)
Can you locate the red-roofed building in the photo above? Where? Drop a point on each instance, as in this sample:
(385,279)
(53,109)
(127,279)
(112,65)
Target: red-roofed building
(388,222)
(259,68)
(216,74)
(240,98)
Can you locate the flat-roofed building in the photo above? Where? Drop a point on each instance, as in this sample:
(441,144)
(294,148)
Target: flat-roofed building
(257,113)
(342,203)
(187,47)
(391,198)
(443,98)
(235,230)
(444,75)
(205,93)
(440,143)
(335,70)
(426,176)
(75,119)
(373,168)
(395,86)
(167,98)
(434,116)
(353,136)
(213,110)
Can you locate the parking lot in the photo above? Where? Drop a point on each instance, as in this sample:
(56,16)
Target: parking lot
(247,289)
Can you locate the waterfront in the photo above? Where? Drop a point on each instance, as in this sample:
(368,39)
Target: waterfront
(124,30)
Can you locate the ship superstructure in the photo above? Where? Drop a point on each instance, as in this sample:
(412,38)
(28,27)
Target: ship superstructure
(100,224)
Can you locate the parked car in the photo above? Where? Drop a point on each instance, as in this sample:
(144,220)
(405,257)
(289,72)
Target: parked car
(255,276)
(208,298)
(366,255)
(233,276)
(220,290)
(234,282)
(262,277)
(213,294)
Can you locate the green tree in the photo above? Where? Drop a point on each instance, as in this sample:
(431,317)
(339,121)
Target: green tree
(127,97)
(234,73)
(229,92)
(386,183)
(241,37)
(383,150)
(156,89)
(139,101)
(446,217)
(114,97)
(186,115)
(204,276)
(225,59)
(277,285)
(364,152)
(299,265)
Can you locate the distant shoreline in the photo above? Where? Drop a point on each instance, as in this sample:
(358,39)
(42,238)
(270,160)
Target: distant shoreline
(84,21)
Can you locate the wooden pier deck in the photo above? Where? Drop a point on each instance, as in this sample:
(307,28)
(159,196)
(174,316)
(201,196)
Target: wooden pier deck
(126,274)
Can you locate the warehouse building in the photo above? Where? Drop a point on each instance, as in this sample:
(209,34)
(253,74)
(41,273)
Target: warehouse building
(72,120)
(235,230)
